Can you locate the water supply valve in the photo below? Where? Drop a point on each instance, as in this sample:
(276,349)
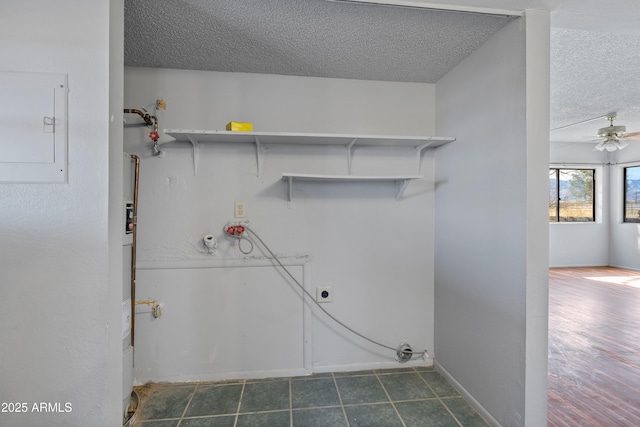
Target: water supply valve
(235,230)
(238,233)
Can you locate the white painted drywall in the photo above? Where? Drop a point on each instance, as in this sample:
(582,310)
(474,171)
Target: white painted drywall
(624,249)
(538,31)
(489,269)
(57,320)
(609,241)
(221,322)
(376,252)
(582,244)
(119,255)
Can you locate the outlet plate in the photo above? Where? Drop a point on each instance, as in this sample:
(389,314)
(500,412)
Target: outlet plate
(324,293)
(239,210)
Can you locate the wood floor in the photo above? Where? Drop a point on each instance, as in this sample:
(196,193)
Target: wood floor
(594,347)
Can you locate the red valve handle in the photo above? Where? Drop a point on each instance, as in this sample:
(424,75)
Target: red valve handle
(154,135)
(235,230)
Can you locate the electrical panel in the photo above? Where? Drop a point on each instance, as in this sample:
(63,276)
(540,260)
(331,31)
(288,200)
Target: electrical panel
(33,127)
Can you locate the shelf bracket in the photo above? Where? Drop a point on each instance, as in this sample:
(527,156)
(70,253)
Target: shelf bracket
(194,143)
(258,150)
(350,154)
(290,181)
(419,150)
(400,187)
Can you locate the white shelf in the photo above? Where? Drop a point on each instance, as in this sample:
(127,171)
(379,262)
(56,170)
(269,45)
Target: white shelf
(195,137)
(305,138)
(401,181)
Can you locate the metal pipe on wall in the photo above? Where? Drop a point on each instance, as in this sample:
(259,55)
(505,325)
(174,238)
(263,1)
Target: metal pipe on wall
(148,118)
(136,179)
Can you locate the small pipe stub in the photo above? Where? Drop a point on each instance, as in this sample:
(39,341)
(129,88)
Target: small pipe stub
(210,242)
(404,353)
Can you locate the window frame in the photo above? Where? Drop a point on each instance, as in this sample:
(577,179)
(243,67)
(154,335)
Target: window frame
(624,197)
(558,199)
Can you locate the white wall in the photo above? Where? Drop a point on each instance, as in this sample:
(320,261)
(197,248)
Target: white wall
(119,259)
(376,252)
(537,43)
(59,317)
(490,235)
(624,249)
(582,244)
(609,241)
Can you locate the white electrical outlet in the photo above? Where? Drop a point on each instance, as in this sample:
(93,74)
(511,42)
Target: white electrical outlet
(324,293)
(239,210)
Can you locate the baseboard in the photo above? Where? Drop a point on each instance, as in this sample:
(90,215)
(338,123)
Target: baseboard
(468,397)
(281,373)
(576,265)
(225,376)
(595,266)
(373,365)
(624,268)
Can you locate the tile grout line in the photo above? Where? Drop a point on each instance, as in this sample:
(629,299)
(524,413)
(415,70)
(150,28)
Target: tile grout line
(290,403)
(390,400)
(449,411)
(441,401)
(344,413)
(188,403)
(235,422)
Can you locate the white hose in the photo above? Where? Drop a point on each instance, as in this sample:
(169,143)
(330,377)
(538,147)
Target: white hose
(412,352)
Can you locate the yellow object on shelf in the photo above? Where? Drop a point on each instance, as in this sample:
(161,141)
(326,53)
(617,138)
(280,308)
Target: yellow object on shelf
(240,126)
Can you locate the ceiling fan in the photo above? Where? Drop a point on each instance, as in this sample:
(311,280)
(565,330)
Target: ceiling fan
(611,137)
(614,137)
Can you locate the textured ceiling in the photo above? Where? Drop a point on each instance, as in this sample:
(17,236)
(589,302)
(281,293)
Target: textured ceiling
(302,37)
(593,73)
(595,45)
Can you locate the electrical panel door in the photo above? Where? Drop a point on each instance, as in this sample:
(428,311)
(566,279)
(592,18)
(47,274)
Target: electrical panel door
(33,127)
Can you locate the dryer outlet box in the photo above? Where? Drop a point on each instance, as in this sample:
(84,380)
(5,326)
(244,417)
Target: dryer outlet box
(324,293)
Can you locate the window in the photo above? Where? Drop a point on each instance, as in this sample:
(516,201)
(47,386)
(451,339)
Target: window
(632,194)
(571,195)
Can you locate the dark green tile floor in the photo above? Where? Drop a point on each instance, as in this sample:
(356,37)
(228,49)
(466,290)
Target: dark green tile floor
(409,397)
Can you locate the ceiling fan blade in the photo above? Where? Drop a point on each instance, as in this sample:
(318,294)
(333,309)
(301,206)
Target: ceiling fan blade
(633,135)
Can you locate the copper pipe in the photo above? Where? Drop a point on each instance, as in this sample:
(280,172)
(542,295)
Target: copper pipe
(136,178)
(148,118)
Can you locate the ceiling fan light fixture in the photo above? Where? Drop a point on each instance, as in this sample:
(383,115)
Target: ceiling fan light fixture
(610,146)
(613,136)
